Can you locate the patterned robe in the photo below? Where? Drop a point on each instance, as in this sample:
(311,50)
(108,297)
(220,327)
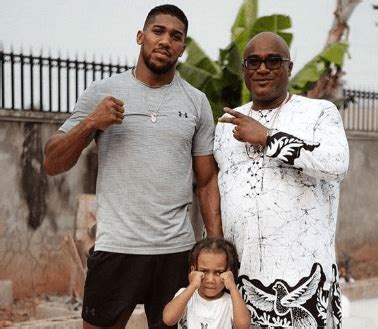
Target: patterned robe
(279,207)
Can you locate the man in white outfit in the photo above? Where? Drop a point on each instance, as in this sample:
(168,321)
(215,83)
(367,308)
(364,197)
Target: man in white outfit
(281,158)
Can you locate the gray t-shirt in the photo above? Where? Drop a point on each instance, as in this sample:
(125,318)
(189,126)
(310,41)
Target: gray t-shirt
(144,182)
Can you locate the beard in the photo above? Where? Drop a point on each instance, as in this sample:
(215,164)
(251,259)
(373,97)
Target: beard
(157,69)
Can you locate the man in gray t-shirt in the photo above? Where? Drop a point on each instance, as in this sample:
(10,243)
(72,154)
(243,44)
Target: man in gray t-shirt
(153,130)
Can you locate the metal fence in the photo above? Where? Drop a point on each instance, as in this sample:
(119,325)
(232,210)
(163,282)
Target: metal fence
(360,110)
(47,84)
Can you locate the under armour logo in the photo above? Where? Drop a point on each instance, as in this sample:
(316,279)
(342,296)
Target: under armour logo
(203,326)
(91,311)
(182,114)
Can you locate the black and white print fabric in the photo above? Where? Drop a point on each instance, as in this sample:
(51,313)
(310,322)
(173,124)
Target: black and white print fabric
(303,306)
(286,147)
(280,209)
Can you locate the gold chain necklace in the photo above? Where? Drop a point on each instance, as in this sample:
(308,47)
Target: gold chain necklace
(153,114)
(258,150)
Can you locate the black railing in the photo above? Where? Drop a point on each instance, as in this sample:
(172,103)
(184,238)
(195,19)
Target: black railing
(45,83)
(360,110)
(53,85)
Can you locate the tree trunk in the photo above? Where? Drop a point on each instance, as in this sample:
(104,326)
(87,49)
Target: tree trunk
(329,86)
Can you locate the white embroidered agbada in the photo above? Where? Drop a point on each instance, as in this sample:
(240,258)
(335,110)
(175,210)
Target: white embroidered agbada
(280,206)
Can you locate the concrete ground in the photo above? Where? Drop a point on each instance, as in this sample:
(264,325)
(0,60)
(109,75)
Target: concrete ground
(363,313)
(360,311)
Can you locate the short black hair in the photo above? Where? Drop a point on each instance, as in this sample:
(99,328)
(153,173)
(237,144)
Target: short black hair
(216,245)
(167,10)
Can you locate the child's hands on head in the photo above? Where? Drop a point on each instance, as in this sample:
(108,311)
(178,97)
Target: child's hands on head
(195,278)
(228,279)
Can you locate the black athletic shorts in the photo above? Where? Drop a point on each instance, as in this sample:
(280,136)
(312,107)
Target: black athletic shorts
(117,282)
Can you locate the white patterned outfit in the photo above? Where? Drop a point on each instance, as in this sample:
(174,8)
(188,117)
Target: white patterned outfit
(207,314)
(280,210)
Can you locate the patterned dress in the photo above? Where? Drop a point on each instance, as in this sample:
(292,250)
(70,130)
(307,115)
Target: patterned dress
(279,207)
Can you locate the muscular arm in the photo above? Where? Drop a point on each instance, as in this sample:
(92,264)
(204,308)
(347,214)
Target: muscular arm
(205,170)
(63,150)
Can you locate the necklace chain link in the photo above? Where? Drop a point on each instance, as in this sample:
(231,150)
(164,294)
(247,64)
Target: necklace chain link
(153,114)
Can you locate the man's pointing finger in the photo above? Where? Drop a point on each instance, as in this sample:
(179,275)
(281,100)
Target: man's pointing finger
(235,115)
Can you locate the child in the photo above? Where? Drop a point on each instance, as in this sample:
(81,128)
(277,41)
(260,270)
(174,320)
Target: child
(205,303)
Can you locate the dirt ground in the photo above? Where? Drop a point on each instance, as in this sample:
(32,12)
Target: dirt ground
(25,309)
(363,262)
(21,310)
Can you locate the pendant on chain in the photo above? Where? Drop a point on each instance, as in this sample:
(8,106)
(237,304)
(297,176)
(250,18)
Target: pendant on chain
(257,151)
(153,117)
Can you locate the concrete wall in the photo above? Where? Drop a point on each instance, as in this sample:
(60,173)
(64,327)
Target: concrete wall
(36,211)
(358,211)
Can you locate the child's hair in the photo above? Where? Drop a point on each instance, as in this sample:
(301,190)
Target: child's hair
(216,245)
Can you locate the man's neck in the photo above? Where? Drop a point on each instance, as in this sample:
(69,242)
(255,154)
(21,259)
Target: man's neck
(268,104)
(145,75)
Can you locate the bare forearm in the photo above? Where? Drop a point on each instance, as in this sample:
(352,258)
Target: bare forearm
(64,149)
(206,172)
(209,201)
(175,309)
(242,318)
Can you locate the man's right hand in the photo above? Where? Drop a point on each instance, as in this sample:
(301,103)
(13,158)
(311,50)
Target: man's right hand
(108,112)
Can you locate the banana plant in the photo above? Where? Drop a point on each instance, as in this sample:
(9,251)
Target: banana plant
(332,56)
(222,80)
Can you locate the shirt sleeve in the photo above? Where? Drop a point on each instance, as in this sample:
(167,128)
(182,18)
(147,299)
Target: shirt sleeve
(203,140)
(86,104)
(325,157)
(179,292)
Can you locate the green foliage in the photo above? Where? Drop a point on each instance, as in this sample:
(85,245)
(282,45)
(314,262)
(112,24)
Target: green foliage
(314,69)
(219,80)
(241,30)
(222,80)
(276,24)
